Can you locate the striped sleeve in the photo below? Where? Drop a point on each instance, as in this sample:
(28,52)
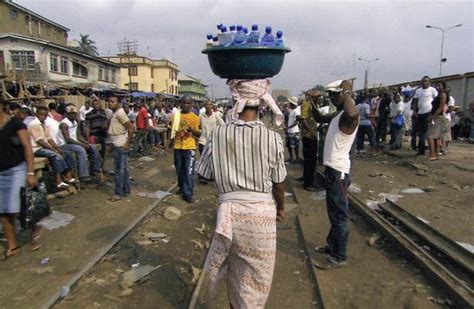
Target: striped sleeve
(278,173)
(205,168)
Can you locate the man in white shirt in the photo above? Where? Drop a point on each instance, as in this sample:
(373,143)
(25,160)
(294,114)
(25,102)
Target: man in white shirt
(209,120)
(396,131)
(422,101)
(293,130)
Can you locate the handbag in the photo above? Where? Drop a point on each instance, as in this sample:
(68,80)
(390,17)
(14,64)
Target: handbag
(34,205)
(399,121)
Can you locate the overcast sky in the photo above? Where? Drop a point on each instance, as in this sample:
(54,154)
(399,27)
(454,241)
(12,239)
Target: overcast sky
(324,35)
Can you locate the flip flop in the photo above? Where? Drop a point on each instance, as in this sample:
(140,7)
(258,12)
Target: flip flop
(9,253)
(113,199)
(63,185)
(432,159)
(71,181)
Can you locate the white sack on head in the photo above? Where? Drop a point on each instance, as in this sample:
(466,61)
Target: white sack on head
(249,92)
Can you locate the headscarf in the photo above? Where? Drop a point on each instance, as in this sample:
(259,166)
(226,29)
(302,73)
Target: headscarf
(250,92)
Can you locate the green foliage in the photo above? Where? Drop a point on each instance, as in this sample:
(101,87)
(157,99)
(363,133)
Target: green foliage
(87,45)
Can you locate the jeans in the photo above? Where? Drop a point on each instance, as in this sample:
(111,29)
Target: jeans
(397,136)
(102,139)
(422,128)
(381,132)
(361,133)
(122,175)
(414,133)
(338,212)
(11,181)
(184,162)
(60,164)
(140,141)
(310,151)
(83,162)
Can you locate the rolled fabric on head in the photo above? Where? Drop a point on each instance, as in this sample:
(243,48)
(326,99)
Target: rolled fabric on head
(251,92)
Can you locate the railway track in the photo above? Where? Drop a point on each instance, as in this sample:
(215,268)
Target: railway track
(443,260)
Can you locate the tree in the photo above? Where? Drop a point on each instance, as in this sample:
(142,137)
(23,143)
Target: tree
(87,46)
(282,98)
(318,88)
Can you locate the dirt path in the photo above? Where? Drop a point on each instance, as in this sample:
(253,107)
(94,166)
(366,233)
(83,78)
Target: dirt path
(27,283)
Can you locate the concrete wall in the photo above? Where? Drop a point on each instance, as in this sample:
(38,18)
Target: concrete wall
(42,72)
(29,25)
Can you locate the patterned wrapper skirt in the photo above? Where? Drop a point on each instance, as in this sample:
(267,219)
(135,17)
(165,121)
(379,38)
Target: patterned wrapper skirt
(243,251)
(11,181)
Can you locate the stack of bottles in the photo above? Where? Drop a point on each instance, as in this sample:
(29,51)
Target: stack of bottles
(240,36)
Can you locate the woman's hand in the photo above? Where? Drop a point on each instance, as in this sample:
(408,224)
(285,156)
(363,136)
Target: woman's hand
(31,181)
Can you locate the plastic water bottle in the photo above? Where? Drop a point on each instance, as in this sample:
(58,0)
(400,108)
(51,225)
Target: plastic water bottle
(219,26)
(215,41)
(268,39)
(232,32)
(240,37)
(279,39)
(224,38)
(245,30)
(209,40)
(254,36)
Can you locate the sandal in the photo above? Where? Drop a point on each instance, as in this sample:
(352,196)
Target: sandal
(35,244)
(9,253)
(114,199)
(62,185)
(433,159)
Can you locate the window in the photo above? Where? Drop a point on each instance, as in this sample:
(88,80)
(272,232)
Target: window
(134,86)
(133,70)
(23,59)
(101,73)
(152,86)
(64,65)
(13,14)
(79,69)
(112,76)
(53,62)
(151,72)
(106,74)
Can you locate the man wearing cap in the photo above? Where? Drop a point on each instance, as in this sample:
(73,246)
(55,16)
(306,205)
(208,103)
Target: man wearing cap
(246,160)
(70,140)
(309,134)
(293,130)
(339,139)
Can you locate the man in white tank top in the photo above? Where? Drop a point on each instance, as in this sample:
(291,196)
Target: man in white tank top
(339,139)
(69,139)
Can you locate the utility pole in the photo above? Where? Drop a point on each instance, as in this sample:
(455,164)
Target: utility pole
(366,81)
(443,30)
(128,48)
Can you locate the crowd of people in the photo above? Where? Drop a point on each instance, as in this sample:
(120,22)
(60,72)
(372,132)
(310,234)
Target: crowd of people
(76,143)
(244,158)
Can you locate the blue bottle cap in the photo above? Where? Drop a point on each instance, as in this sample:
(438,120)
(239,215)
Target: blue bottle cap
(232,28)
(239,27)
(245,30)
(268,29)
(219,26)
(215,39)
(254,27)
(209,36)
(279,34)
(224,29)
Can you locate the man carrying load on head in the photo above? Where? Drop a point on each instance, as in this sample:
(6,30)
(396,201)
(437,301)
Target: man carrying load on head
(246,161)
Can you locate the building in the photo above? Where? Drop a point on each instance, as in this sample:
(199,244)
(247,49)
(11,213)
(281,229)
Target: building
(24,58)
(191,86)
(19,20)
(140,73)
(280,92)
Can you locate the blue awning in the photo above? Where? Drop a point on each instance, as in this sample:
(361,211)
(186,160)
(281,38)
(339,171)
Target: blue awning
(143,94)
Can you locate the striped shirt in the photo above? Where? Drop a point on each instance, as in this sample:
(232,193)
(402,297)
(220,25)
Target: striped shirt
(243,156)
